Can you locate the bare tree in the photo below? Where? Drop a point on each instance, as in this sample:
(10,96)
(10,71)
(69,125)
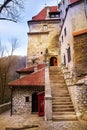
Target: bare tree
(11,9)
(5,65)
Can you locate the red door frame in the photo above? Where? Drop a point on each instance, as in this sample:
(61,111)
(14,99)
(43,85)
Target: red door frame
(41,104)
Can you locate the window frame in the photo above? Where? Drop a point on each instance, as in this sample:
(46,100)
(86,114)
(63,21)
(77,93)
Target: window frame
(27,99)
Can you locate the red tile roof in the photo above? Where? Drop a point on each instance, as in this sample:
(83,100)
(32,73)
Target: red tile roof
(43,13)
(73,1)
(34,79)
(30,69)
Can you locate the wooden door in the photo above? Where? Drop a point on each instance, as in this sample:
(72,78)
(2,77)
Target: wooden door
(41,104)
(34,102)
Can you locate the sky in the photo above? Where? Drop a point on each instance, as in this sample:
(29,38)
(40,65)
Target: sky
(9,30)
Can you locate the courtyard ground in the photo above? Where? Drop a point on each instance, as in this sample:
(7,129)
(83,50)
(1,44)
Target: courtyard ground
(33,122)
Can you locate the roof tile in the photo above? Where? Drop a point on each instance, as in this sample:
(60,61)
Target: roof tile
(34,79)
(43,13)
(29,69)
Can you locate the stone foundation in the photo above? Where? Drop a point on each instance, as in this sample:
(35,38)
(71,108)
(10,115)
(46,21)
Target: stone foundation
(78,94)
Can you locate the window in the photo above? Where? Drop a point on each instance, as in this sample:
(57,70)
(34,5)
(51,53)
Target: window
(63,1)
(65,31)
(27,99)
(45,27)
(64,58)
(41,52)
(62,38)
(69,54)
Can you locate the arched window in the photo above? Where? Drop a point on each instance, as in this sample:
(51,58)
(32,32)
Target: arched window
(53,61)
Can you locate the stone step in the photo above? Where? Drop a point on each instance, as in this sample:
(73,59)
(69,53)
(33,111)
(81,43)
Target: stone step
(52,73)
(61,103)
(59,95)
(56,76)
(60,91)
(64,113)
(62,106)
(58,81)
(61,98)
(62,109)
(54,68)
(61,85)
(64,118)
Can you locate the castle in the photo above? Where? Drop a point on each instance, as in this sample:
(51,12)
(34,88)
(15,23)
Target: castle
(54,82)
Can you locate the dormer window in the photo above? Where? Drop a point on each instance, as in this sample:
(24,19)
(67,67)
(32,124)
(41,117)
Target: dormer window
(54,14)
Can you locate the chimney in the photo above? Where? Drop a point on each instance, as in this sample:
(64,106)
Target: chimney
(47,12)
(35,67)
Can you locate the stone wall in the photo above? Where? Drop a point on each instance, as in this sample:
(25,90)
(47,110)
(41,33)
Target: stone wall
(42,35)
(4,107)
(19,104)
(80,55)
(78,93)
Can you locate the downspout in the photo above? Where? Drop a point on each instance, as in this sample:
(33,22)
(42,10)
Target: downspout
(11,100)
(85,5)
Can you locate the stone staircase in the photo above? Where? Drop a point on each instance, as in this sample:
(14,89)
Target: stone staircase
(62,106)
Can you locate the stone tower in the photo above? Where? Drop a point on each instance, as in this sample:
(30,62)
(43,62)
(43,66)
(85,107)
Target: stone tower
(43,37)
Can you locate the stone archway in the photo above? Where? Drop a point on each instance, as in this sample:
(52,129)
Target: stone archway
(53,61)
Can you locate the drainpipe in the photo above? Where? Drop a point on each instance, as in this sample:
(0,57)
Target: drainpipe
(11,100)
(47,11)
(48,96)
(85,5)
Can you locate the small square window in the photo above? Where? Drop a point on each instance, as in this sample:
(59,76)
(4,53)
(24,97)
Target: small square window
(27,99)
(69,54)
(64,58)
(41,52)
(45,27)
(62,38)
(65,31)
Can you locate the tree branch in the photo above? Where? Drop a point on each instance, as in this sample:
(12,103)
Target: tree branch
(9,19)
(6,2)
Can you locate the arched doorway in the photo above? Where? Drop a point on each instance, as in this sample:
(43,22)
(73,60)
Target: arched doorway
(34,102)
(53,61)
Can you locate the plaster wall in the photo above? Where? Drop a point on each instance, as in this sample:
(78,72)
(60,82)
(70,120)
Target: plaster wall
(75,21)
(42,36)
(78,17)
(66,41)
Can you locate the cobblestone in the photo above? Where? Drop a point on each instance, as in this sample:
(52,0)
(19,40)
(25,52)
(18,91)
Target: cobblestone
(26,121)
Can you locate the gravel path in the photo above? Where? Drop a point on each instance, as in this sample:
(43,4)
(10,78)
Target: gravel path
(33,122)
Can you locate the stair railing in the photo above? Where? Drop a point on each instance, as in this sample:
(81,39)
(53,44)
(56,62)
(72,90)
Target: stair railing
(48,96)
